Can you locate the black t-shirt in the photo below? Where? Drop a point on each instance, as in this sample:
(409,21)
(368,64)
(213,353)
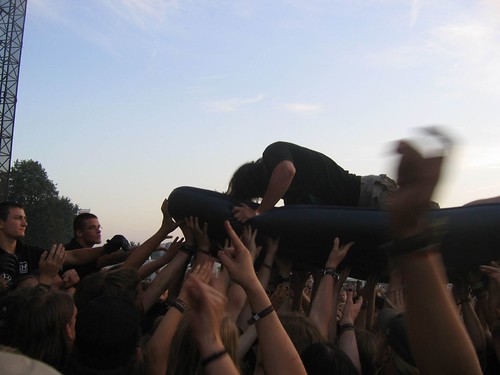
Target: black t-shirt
(318,179)
(82,269)
(26,258)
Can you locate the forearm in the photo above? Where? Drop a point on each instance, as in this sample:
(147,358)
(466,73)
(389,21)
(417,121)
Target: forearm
(148,268)
(144,251)
(247,339)
(158,348)
(279,356)
(164,279)
(236,300)
(280,181)
(473,326)
(438,339)
(348,344)
(83,256)
(321,312)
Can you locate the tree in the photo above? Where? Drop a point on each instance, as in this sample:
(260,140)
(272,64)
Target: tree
(50,217)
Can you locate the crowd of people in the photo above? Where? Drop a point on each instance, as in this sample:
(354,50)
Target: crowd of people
(236,308)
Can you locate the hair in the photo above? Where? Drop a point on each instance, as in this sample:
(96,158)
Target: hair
(402,367)
(324,358)
(249,181)
(122,282)
(367,348)
(5,208)
(184,357)
(108,332)
(79,221)
(301,329)
(38,322)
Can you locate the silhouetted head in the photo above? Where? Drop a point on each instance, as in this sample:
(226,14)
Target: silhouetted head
(249,181)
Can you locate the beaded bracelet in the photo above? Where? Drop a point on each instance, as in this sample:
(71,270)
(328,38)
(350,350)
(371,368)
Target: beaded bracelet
(179,305)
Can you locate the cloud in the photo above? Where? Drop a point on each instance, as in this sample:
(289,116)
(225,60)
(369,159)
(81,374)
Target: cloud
(415,10)
(302,107)
(231,105)
(142,13)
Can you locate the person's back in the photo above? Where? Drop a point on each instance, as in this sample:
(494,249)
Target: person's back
(318,179)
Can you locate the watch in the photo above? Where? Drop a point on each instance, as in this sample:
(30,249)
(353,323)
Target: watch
(332,272)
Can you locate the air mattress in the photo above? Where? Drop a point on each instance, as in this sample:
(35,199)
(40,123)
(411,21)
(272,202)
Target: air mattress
(307,231)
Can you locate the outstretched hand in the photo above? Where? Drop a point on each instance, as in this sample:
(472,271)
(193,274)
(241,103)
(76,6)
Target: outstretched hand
(338,253)
(237,260)
(417,178)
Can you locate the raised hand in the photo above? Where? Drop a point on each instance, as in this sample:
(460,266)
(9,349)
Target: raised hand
(338,253)
(50,263)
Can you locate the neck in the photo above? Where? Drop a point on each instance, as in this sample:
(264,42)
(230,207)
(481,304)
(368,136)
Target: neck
(8,243)
(84,243)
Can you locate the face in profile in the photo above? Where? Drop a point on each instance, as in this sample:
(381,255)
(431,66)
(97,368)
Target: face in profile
(91,234)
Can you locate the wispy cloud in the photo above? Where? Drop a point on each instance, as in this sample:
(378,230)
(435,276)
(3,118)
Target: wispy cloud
(465,40)
(142,13)
(231,105)
(415,11)
(302,107)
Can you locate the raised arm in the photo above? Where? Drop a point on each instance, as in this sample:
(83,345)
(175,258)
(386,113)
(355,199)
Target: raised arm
(279,356)
(430,306)
(321,311)
(142,253)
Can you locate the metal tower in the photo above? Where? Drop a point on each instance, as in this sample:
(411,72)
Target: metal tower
(12,17)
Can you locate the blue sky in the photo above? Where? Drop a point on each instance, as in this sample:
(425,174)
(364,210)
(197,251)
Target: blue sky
(122,101)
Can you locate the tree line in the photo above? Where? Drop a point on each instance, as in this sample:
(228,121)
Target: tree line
(50,216)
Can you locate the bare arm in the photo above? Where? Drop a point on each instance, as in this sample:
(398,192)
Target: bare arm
(142,253)
(279,183)
(321,311)
(450,351)
(279,356)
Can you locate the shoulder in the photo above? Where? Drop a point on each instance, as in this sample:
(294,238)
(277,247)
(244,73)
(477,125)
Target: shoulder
(28,249)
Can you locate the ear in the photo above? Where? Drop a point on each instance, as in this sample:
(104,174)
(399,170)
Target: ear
(70,332)
(387,354)
(79,233)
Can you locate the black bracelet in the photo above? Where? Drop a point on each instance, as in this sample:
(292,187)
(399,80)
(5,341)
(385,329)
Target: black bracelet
(262,314)
(347,327)
(267,266)
(419,243)
(212,357)
(180,305)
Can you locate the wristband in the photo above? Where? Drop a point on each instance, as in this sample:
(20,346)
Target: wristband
(267,265)
(179,305)
(262,314)
(212,357)
(347,327)
(332,272)
(419,243)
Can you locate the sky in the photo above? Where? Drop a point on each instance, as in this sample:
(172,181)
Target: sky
(122,101)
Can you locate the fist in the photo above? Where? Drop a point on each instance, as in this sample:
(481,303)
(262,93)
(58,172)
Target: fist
(116,243)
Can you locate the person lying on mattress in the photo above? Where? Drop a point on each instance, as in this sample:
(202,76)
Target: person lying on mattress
(299,175)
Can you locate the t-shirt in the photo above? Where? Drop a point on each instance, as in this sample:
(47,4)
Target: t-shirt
(26,259)
(318,179)
(82,269)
